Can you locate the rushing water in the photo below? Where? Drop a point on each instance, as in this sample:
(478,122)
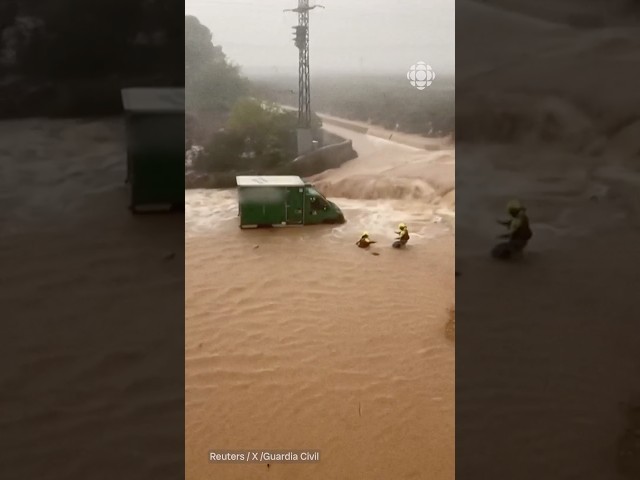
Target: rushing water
(296,339)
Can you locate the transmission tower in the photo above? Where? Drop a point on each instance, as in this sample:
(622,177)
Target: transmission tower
(301,38)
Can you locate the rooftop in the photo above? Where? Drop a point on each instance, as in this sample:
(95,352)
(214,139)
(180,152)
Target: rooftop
(269,181)
(153,100)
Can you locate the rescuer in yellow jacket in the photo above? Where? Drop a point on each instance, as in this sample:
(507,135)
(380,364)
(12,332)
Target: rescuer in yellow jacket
(518,224)
(364,241)
(403,234)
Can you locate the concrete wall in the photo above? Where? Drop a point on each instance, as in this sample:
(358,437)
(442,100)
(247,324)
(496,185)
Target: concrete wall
(333,154)
(325,158)
(347,124)
(329,138)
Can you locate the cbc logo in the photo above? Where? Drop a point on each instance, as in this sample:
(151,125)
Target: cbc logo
(421,75)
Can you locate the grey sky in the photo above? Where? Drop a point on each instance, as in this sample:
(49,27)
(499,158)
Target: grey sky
(359,36)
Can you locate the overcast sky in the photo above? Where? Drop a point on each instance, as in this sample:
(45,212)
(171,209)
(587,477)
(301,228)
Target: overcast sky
(358,36)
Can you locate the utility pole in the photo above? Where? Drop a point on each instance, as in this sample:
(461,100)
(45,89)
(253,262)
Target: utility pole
(301,39)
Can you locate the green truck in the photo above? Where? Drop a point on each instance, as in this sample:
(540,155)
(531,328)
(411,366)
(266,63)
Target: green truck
(155,147)
(268,201)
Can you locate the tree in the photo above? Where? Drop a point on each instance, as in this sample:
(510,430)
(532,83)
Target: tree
(83,39)
(259,137)
(211,81)
(266,127)
(8,14)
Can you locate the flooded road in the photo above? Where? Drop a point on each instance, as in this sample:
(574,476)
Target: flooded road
(296,339)
(84,287)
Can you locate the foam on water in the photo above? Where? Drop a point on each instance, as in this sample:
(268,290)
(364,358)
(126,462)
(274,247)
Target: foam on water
(387,184)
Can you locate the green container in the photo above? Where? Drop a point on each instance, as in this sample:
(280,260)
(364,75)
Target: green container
(269,201)
(155,146)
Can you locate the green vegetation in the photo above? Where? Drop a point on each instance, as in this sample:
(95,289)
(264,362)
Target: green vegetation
(258,136)
(239,133)
(389,102)
(72,57)
(90,39)
(213,84)
(244,133)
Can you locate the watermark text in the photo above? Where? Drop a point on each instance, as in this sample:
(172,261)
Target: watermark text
(264,456)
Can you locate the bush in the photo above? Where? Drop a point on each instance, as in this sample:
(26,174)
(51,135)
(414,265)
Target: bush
(222,153)
(257,136)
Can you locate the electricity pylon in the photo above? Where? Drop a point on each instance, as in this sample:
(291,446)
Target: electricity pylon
(301,38)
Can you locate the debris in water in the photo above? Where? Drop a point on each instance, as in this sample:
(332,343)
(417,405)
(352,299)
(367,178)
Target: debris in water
(256,246)
(359,409)
(268,465)
(375,253)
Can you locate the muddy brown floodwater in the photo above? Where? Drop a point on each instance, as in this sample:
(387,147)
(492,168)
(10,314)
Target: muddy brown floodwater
(296,339)
(83,288)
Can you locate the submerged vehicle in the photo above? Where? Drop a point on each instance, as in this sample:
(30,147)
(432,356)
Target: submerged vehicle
(155,141)
(271,200)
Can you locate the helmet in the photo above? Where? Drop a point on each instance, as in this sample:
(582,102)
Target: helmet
(365,234)
(514,205)
(402,226)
